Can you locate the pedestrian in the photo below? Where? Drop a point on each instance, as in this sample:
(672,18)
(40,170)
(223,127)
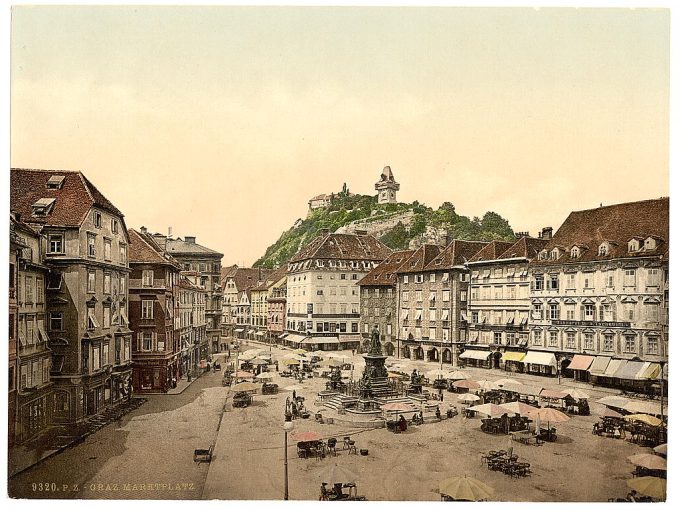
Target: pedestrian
(510,446)
(294,395)
(438,413)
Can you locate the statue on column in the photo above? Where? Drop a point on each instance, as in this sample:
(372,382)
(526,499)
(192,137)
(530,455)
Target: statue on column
(375,342)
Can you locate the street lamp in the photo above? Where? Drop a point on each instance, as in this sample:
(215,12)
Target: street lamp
(287,427)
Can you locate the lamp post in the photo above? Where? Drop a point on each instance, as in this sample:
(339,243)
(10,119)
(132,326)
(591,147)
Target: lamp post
(287,427)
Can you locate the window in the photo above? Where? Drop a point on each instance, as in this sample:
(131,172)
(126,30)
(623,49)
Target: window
(463,296)
(355,328)
(96,360)
(538,282)
(629,277)
(552,339)
(537,311)
(92,322)
(512,292)
(55,244)
(147,309)
(629,311)
(419,295)
(653,277)
(474,294)
(497,337)
(652,312)
(114,226)
(107,316)
(603,249)
(122,253)
(107,283)
(475,316)
(554,311)
(91,247)
(652,345)
(121,288)
(433,277)
(570,311)
(571,340)
(575,252)
(610,278)
(405,279)
(97,219)
(29,289)
(629,344)
(608,342)
(30,330)
(40,290)
(445,335)
(147,278)
(510,338)
(588,341)
(419,278)
(537,338)
(107,250)
(147,338)
(433,333)
(589,312)
(445,277)
(91,281)
(553,283)
(633,245)
(160,345)
(571,281)
(355,276)
(446,295)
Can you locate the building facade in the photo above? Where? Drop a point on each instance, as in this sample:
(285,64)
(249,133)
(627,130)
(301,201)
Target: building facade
(86,249)
(156,347)
(432,295)
(207,264)
(15,245)
(322,295)
(378,299)
(498,305)
(598,295)
(33,358)
(236,306)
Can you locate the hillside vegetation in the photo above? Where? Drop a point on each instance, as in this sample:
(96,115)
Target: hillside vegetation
(346,208)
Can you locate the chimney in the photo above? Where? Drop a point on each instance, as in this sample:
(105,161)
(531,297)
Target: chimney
(161,240)
(142,229)
(521,234)
(170,232)
(190,239)
(546,233)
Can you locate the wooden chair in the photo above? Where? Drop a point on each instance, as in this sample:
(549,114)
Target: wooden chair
(352,447)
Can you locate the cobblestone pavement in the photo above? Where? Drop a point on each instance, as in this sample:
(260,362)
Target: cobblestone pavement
(147,454)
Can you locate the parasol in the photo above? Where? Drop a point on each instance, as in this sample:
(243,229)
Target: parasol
(264,377)
(338,474)
(243,374)
(466,384)
(490,409)
(468,398)
(245,387)
(291,362)
(647,419)
(654,487)
(518,407)
(577,394)
(306,436)
(504,381)
(457,375)
(649,461)
(465,488)
(487,385)
(661,449)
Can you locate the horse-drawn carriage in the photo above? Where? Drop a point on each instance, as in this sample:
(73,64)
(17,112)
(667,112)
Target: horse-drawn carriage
(242,399)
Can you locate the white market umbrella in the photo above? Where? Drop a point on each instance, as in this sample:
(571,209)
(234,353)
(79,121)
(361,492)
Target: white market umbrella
(468,398)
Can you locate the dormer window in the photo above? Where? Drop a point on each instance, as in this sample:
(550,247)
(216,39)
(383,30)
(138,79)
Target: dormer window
(543,255)
(603,249)
(55,182)
(650,243)
(555,253)
(575,252)
(633,245)
(43,207)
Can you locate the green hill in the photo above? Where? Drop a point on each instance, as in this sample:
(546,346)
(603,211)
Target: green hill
(346,208)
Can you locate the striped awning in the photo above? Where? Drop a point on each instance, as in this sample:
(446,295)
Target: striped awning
(629,370)
(613,367)
(650,371)
(581,362)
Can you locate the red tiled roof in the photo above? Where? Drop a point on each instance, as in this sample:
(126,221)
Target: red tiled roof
(228,271)
(491,251)
(73,200)
(456,253)
(617,224)
(385,274)
(343,246)
(247,278)
(144,249)
(420,258)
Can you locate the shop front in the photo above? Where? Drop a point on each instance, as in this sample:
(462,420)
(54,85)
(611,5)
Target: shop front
(540,362)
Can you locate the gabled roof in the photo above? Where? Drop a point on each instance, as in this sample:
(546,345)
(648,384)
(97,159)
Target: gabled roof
(343,246)
(617,224)
(492,250)
(385,274)
(248,278)
(144,249)
(456,253)
(73,199)
(525,247)
(420,258)
(186,283)
(228,271)
(180,247)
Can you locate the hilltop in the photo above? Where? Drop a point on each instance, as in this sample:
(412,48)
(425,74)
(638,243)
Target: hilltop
(398,225)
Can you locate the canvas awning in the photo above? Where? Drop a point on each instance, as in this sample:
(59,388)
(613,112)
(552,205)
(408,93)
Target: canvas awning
(404,314)
(282,336)
(239,330)
(581,362)
(419,314)
(295,338)
(599,365)
(475,354)
(650,371)
(540,358)
(629,370)
(512,356)
(445,315)
(553,394)
(613,367)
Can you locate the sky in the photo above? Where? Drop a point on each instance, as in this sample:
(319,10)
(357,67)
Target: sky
(222,122)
